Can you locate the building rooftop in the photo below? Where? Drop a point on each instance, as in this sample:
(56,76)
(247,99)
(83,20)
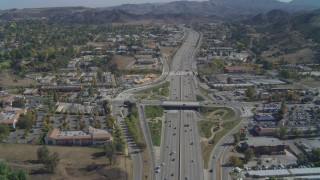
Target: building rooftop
(263,141)
(88,132)
(266,173)
(285,172)
(263,118)
(305,171)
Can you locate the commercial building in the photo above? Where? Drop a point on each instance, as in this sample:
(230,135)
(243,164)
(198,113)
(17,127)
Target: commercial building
(301,173)
(10,116)
(263,118)
(263,145)
(238,69)
(29,91)
(264,131)
(86,137)
(61,88)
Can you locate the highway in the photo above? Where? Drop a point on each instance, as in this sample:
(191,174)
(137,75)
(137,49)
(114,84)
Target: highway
(180,156)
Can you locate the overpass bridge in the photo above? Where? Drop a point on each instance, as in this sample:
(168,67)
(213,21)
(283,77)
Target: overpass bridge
(165,104)
(181,104)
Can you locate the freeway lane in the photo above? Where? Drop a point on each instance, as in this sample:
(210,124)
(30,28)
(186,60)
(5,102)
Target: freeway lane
(180,156)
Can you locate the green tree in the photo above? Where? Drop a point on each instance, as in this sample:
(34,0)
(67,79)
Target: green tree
(229,80)
(4,131)
(309,131)
(282,111)
(236,138)
(282,132)
(6,172)
(265,150)
(119,144)
(26,121)
(302,159)
(141,145)
(276,133)
(110,120)
(248,154)
(297,132)
(51,162)
(111,152)
(5,169)
(272,178)
(316,156)
(19,174)
(43,153)
(250,92)
(235,161)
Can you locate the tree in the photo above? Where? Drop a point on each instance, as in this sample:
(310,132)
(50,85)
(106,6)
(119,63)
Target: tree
(248,154)
(282,110)
(302,159)
(141,145)
(51,162)
(43,153)
(297,132)
(110,121)
(4,131)
(309,131)
(6,172)
(229,80)
(120,144)
(19,174)
(235,161)
(111,152)
(265,150)
(250,92)
(282,132)
(272,178)
(236,138)
(106,107)
(276,133)
(316,156)
(26,121)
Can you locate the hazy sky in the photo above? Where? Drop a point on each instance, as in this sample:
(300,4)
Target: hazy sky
(7,4)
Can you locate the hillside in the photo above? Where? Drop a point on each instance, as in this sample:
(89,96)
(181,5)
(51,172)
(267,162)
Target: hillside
(287,37)
(177,12)
(222,8)
(95,16)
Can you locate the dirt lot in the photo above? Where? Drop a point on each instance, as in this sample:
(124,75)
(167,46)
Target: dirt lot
(75,163)
(304,55)
(168,51)
(9,80)
(311,82)
(123,62)
(99,44)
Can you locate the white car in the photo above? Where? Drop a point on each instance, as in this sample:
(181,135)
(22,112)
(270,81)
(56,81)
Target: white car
(157,169)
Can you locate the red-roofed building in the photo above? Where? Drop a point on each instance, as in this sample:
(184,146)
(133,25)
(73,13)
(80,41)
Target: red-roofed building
(10,115)
(238,69)
(89,136)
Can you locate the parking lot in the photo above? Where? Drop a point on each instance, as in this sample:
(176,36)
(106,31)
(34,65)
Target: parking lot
(273,162)
(56,121)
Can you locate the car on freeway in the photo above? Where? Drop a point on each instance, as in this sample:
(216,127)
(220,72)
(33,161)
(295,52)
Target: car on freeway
(157,170)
